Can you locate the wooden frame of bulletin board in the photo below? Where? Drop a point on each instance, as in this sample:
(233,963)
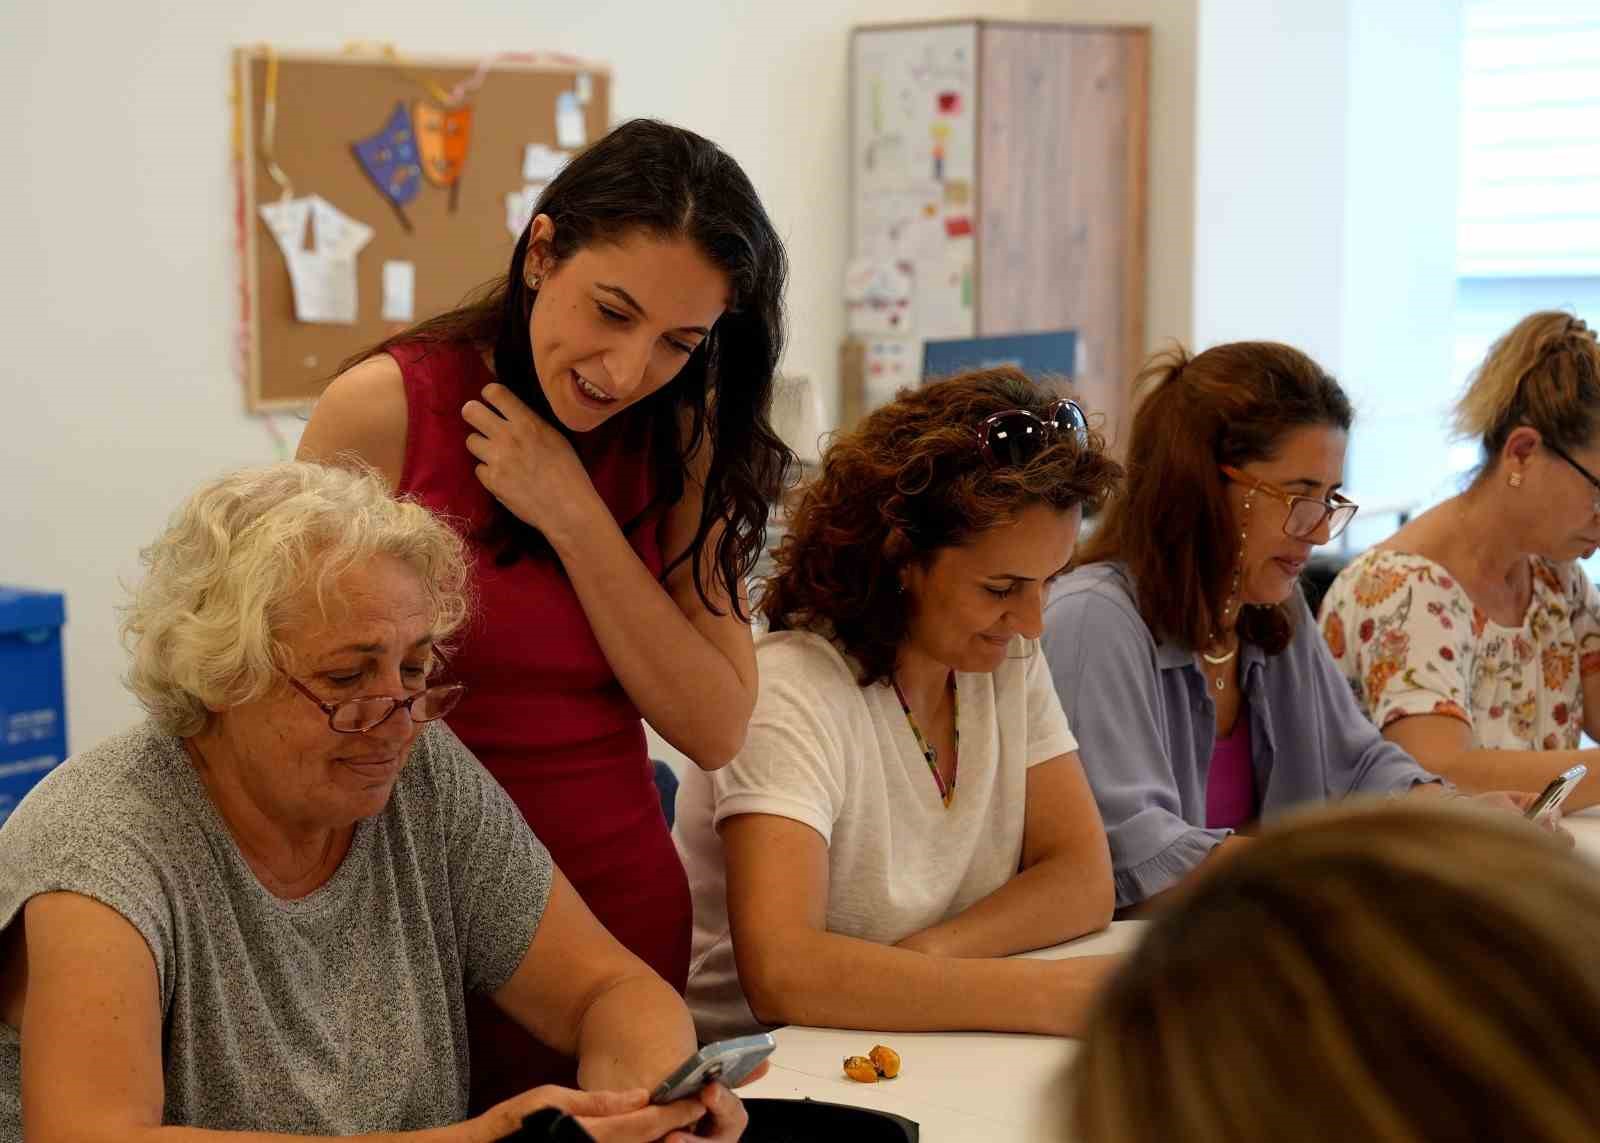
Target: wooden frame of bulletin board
(527,113)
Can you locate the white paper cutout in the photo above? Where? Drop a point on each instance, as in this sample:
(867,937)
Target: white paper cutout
(399,291)
(519,207)
(540,163)
(322,276)
(570,130)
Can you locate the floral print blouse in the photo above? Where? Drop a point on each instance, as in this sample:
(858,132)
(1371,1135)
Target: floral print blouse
(1409,641)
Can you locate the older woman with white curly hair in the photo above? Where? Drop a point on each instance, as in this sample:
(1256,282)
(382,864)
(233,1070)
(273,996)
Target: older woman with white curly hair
(260,910)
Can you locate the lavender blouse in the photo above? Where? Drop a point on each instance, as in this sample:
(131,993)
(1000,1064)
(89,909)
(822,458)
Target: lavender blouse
(1146,728)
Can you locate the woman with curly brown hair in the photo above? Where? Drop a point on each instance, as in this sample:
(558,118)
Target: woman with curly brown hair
(908,809)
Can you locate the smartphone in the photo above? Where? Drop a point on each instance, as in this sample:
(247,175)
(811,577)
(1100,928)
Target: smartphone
(1551,797)
(727,1060)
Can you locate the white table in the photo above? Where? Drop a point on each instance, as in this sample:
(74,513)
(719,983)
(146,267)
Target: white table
(995,1087)
(958,1086)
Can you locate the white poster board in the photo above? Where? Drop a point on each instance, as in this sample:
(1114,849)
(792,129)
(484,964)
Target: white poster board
(914,167)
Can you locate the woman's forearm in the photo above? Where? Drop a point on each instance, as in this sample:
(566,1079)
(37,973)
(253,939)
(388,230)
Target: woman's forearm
(1052,902)
(828,980)
(633,1035)
(1486,771)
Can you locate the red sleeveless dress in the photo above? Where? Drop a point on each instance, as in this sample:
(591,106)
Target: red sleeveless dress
(544,711)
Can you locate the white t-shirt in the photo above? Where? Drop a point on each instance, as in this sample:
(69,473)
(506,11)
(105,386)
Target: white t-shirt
(841,758)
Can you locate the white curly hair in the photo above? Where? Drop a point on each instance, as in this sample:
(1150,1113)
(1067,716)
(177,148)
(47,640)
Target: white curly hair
(202,626)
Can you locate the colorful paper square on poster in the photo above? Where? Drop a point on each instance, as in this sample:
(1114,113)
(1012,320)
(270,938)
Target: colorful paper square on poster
(949,102)
(957,226)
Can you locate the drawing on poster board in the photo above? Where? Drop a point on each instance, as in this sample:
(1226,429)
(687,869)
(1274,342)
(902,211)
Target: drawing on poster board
(877,296)
(443,137)
(389,157)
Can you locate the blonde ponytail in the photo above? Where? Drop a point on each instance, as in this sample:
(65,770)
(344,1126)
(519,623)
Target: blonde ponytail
(1545,372)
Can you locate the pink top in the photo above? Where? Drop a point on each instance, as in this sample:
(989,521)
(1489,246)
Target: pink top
(1231,780)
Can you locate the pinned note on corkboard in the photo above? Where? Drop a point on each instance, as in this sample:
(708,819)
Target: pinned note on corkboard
(375,189)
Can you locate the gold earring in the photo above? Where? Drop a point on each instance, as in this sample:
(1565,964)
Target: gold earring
(1515,480)
(533,281)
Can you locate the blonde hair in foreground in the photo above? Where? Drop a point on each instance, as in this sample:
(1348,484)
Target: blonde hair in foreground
(1403,972)
(202,627)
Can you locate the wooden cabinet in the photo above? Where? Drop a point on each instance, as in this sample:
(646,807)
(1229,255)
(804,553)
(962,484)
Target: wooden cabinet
(1004,166)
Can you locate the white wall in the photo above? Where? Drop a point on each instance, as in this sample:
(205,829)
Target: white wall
(117,392)
(1269,173)
(1325,210)
(1402,145)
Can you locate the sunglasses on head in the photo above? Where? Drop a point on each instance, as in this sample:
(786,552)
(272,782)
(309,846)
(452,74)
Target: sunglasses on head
(1016,436)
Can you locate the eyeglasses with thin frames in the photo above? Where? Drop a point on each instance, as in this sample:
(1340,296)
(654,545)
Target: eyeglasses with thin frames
(359,715)
(1306,513)
(1015,436)
(1582,471)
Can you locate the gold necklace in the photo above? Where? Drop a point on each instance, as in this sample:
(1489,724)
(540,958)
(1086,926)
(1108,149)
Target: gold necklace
(1221,681)
(1233,598)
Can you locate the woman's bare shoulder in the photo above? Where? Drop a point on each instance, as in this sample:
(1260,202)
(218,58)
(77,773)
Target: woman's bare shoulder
(361,417)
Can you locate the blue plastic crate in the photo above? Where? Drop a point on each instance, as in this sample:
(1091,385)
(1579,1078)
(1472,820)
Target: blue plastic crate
(33,706)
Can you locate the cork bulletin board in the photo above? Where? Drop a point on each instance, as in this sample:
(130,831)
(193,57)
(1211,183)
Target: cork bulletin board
(373,191)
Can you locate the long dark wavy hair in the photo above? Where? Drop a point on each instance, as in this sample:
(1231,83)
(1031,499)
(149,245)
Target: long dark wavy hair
(909,481)
(651,177)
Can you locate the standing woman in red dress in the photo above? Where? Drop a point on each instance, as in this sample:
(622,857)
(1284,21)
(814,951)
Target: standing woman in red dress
(597,425)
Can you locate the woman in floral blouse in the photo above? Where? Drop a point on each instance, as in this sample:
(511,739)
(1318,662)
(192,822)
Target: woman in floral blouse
(1472,636)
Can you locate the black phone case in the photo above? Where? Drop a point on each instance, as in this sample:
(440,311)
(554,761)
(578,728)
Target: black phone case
(771,1121)
(813,1121)
(548,1125)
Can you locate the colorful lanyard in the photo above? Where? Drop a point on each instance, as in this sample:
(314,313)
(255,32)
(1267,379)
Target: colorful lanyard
(947,794)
